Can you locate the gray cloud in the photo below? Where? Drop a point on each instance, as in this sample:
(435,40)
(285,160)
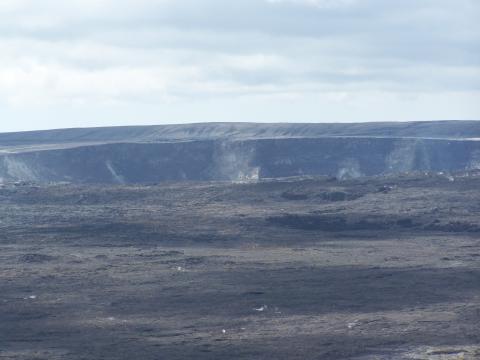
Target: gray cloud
(111,54)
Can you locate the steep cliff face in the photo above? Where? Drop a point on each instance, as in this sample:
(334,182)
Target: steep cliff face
(354,157)
(238,160)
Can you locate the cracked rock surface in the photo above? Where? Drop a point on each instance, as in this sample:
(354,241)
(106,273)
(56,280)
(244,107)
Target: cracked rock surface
(373,268)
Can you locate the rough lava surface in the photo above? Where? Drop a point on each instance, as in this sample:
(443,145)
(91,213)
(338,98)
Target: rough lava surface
(385,267)
(241,241)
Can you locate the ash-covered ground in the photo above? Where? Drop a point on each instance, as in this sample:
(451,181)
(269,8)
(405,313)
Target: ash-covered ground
(372,268)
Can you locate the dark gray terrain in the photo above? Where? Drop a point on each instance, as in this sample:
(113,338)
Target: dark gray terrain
(386,267)
(241,151)
(241,241)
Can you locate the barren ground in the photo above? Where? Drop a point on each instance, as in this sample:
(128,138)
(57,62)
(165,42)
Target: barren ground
(377,268)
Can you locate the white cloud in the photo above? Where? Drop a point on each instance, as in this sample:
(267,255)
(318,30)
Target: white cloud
(141,53)
(320,4)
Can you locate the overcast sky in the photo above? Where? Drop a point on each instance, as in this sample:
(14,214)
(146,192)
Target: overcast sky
(71,63)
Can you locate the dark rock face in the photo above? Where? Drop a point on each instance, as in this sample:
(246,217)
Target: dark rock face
(237,152)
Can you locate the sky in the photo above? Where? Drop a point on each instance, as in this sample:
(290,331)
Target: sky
(82,63)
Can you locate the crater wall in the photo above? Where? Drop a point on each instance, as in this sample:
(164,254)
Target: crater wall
(238,160)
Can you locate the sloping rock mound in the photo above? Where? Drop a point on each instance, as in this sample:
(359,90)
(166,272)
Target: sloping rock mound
(243,131)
